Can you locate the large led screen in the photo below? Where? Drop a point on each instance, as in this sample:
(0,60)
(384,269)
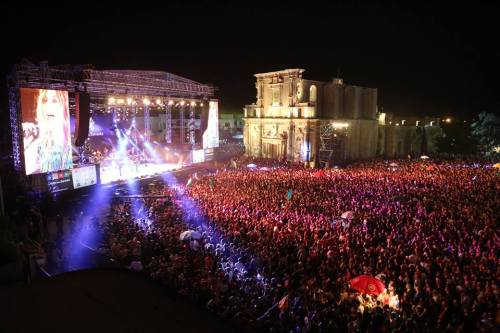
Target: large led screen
(84,176)
(211,135)
(46,130)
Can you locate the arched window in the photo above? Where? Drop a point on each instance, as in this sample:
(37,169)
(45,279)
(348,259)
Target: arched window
(312,94)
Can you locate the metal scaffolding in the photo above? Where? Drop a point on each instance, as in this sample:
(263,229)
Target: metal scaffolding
(105,82)
(16,128)
(168,124)
(326,144)
(147,124)
(332,145)
(192,125)
(182,129)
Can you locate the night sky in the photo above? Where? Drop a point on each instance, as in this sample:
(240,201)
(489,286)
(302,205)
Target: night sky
(424,60)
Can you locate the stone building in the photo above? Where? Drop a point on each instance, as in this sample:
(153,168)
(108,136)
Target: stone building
(319,123)
(230,121)
(400,136)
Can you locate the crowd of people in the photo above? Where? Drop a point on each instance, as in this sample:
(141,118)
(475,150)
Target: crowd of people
(275,255)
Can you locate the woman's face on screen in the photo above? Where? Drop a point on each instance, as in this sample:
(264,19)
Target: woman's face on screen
(52,117)
(52,108)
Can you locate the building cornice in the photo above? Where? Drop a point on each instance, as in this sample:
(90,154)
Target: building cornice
(285,71)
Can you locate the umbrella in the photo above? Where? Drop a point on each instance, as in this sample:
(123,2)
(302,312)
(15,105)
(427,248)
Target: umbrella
(189,234)
(348,215)
(393,164)
(497,166)
(424,157)
(367,285)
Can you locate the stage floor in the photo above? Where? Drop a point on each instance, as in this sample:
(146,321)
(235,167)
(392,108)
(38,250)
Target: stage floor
(112,173)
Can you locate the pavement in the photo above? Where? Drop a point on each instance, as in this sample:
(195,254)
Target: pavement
(102,300)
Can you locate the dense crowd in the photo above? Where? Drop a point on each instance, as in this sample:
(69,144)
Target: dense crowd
(276,256)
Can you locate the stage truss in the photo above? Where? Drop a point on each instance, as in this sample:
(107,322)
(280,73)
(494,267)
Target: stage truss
(108,82)
(101,84)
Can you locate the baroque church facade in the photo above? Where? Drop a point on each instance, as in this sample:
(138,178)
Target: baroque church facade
(318,123)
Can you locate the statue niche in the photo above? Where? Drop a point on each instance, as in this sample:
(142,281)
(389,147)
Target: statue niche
(271,131)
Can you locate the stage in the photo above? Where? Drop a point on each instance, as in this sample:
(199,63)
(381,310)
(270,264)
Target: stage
(105,126)
(112,172)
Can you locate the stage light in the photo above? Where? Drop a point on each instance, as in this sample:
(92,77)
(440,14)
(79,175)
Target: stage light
(201,104)
(182,103)
(158,101)
(129,101)
(120,101)
(111,100)
(146,101)
(170,102)
(193,103)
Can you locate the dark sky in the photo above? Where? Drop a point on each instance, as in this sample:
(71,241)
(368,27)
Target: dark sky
(425,60)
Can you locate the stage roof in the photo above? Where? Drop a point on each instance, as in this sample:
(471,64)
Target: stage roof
(106,82)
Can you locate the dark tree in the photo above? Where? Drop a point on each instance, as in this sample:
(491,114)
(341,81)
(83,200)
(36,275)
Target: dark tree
(486,130)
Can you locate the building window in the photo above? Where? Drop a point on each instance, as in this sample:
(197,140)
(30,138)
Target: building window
(312,94)
(276,96)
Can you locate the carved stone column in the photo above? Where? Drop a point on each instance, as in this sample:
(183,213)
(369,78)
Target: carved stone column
(291,140)
(261,130)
